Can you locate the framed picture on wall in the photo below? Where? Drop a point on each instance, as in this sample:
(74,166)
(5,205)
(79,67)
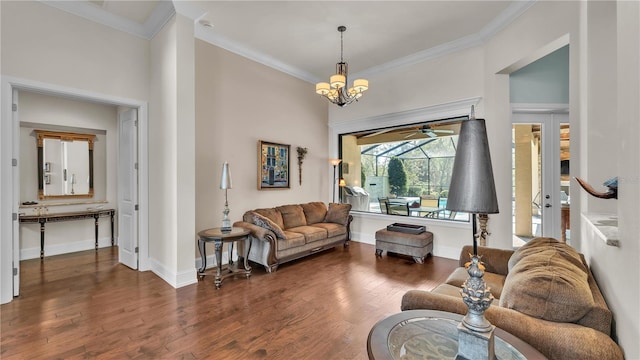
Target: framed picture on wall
(273,165)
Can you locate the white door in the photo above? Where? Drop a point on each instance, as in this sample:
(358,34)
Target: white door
(127,189)
(16,194)
(539,192)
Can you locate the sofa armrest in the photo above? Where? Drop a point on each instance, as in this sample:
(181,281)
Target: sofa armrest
(495,260)
(554,340)
(257,232)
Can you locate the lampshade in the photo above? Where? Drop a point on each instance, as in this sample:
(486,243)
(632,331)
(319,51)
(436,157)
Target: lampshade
(337,81)
(225,180)
(472,187)
(342,183)
(335,162)
(323,88)
(360,85)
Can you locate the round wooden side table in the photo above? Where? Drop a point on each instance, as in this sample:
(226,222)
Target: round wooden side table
(219,238)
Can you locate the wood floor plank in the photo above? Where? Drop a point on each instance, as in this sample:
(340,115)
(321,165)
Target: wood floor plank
(87,305)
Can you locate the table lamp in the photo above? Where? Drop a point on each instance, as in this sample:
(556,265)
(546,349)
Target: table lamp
(473,191)
(225,183)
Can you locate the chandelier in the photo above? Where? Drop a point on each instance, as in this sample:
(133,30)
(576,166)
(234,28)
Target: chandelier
(336,91)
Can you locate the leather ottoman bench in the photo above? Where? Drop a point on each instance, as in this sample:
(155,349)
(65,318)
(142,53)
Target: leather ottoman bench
(417,246)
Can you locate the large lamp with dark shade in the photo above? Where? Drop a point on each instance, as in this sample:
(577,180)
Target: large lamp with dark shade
(473,191)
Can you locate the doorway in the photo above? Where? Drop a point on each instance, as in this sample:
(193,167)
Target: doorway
(540,172)
(9,229)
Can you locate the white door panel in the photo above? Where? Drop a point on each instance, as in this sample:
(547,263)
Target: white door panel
(127,185)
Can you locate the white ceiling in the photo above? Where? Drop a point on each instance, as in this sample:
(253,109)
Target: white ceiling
(301,37)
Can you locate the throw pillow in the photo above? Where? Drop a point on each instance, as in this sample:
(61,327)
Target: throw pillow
(547,286)
(264,222)
(315,212)
(338,213)
(292,216)
(272,214)
(542,244)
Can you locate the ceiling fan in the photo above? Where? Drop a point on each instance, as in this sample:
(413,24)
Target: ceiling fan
(427,130)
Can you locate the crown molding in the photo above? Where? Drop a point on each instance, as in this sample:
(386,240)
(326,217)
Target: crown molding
(165,10)
(451,109)
(161,14)
(210,36)
(506,17)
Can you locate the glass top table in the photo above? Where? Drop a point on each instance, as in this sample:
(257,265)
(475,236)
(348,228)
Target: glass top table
(430,334)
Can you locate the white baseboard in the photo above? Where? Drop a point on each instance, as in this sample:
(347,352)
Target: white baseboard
(363,238)
(57,249)
(211,260)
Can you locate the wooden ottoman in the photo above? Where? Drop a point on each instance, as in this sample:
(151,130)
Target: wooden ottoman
(417,246)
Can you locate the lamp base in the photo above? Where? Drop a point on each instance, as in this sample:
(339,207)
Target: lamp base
(477,296)
(475,332)
(473,345)
(226,223)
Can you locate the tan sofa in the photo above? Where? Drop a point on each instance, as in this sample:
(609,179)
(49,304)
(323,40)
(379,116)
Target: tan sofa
(289,232)
(544,293)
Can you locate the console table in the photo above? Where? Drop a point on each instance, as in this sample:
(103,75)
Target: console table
(65,216)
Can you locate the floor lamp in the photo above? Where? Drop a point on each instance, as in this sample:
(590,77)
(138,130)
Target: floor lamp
(473,191)
(335,163)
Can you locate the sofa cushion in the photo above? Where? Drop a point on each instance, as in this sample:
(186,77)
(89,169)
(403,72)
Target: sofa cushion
(494,281)
(315,212)
(272,214)
(332,229)
(292,239)
(545,284)
(267,223)
(541,244)
(292,216)
(311,233)
(338,213)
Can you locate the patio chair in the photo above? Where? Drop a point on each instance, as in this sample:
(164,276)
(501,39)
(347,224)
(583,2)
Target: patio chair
(397,208)
(383,204)
(430,201)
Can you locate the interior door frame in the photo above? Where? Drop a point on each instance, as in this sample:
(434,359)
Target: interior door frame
(10,240)
(550,116)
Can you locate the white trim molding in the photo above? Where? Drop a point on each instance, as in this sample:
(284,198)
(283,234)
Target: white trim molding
(435,112)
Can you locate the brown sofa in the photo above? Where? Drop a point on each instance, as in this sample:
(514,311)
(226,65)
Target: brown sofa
(544,293)
(289,232)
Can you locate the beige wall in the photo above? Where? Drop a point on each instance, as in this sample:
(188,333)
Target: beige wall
(49,45)
(614,140)
(239,102)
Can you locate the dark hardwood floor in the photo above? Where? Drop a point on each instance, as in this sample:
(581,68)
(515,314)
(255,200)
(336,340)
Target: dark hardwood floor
(86,305)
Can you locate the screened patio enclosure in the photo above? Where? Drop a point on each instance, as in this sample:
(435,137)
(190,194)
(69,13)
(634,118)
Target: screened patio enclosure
(404,171)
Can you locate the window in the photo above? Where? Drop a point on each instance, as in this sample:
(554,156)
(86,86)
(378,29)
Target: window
(402,170)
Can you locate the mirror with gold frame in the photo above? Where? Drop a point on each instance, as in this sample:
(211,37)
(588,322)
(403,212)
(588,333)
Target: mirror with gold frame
(65,165)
